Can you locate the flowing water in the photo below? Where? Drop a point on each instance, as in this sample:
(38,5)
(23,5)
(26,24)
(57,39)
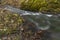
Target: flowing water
(42,21)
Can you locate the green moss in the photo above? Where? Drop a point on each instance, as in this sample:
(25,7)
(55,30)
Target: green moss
(9,22)
(41,5)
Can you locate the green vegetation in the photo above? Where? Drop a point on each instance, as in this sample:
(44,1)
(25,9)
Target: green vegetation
(42,6)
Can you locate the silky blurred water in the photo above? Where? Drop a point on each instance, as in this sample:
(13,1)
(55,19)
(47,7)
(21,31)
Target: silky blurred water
(42,21)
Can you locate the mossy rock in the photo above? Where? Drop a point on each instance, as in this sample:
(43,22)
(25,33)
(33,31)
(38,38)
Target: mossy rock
(9,21)
(14,3)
